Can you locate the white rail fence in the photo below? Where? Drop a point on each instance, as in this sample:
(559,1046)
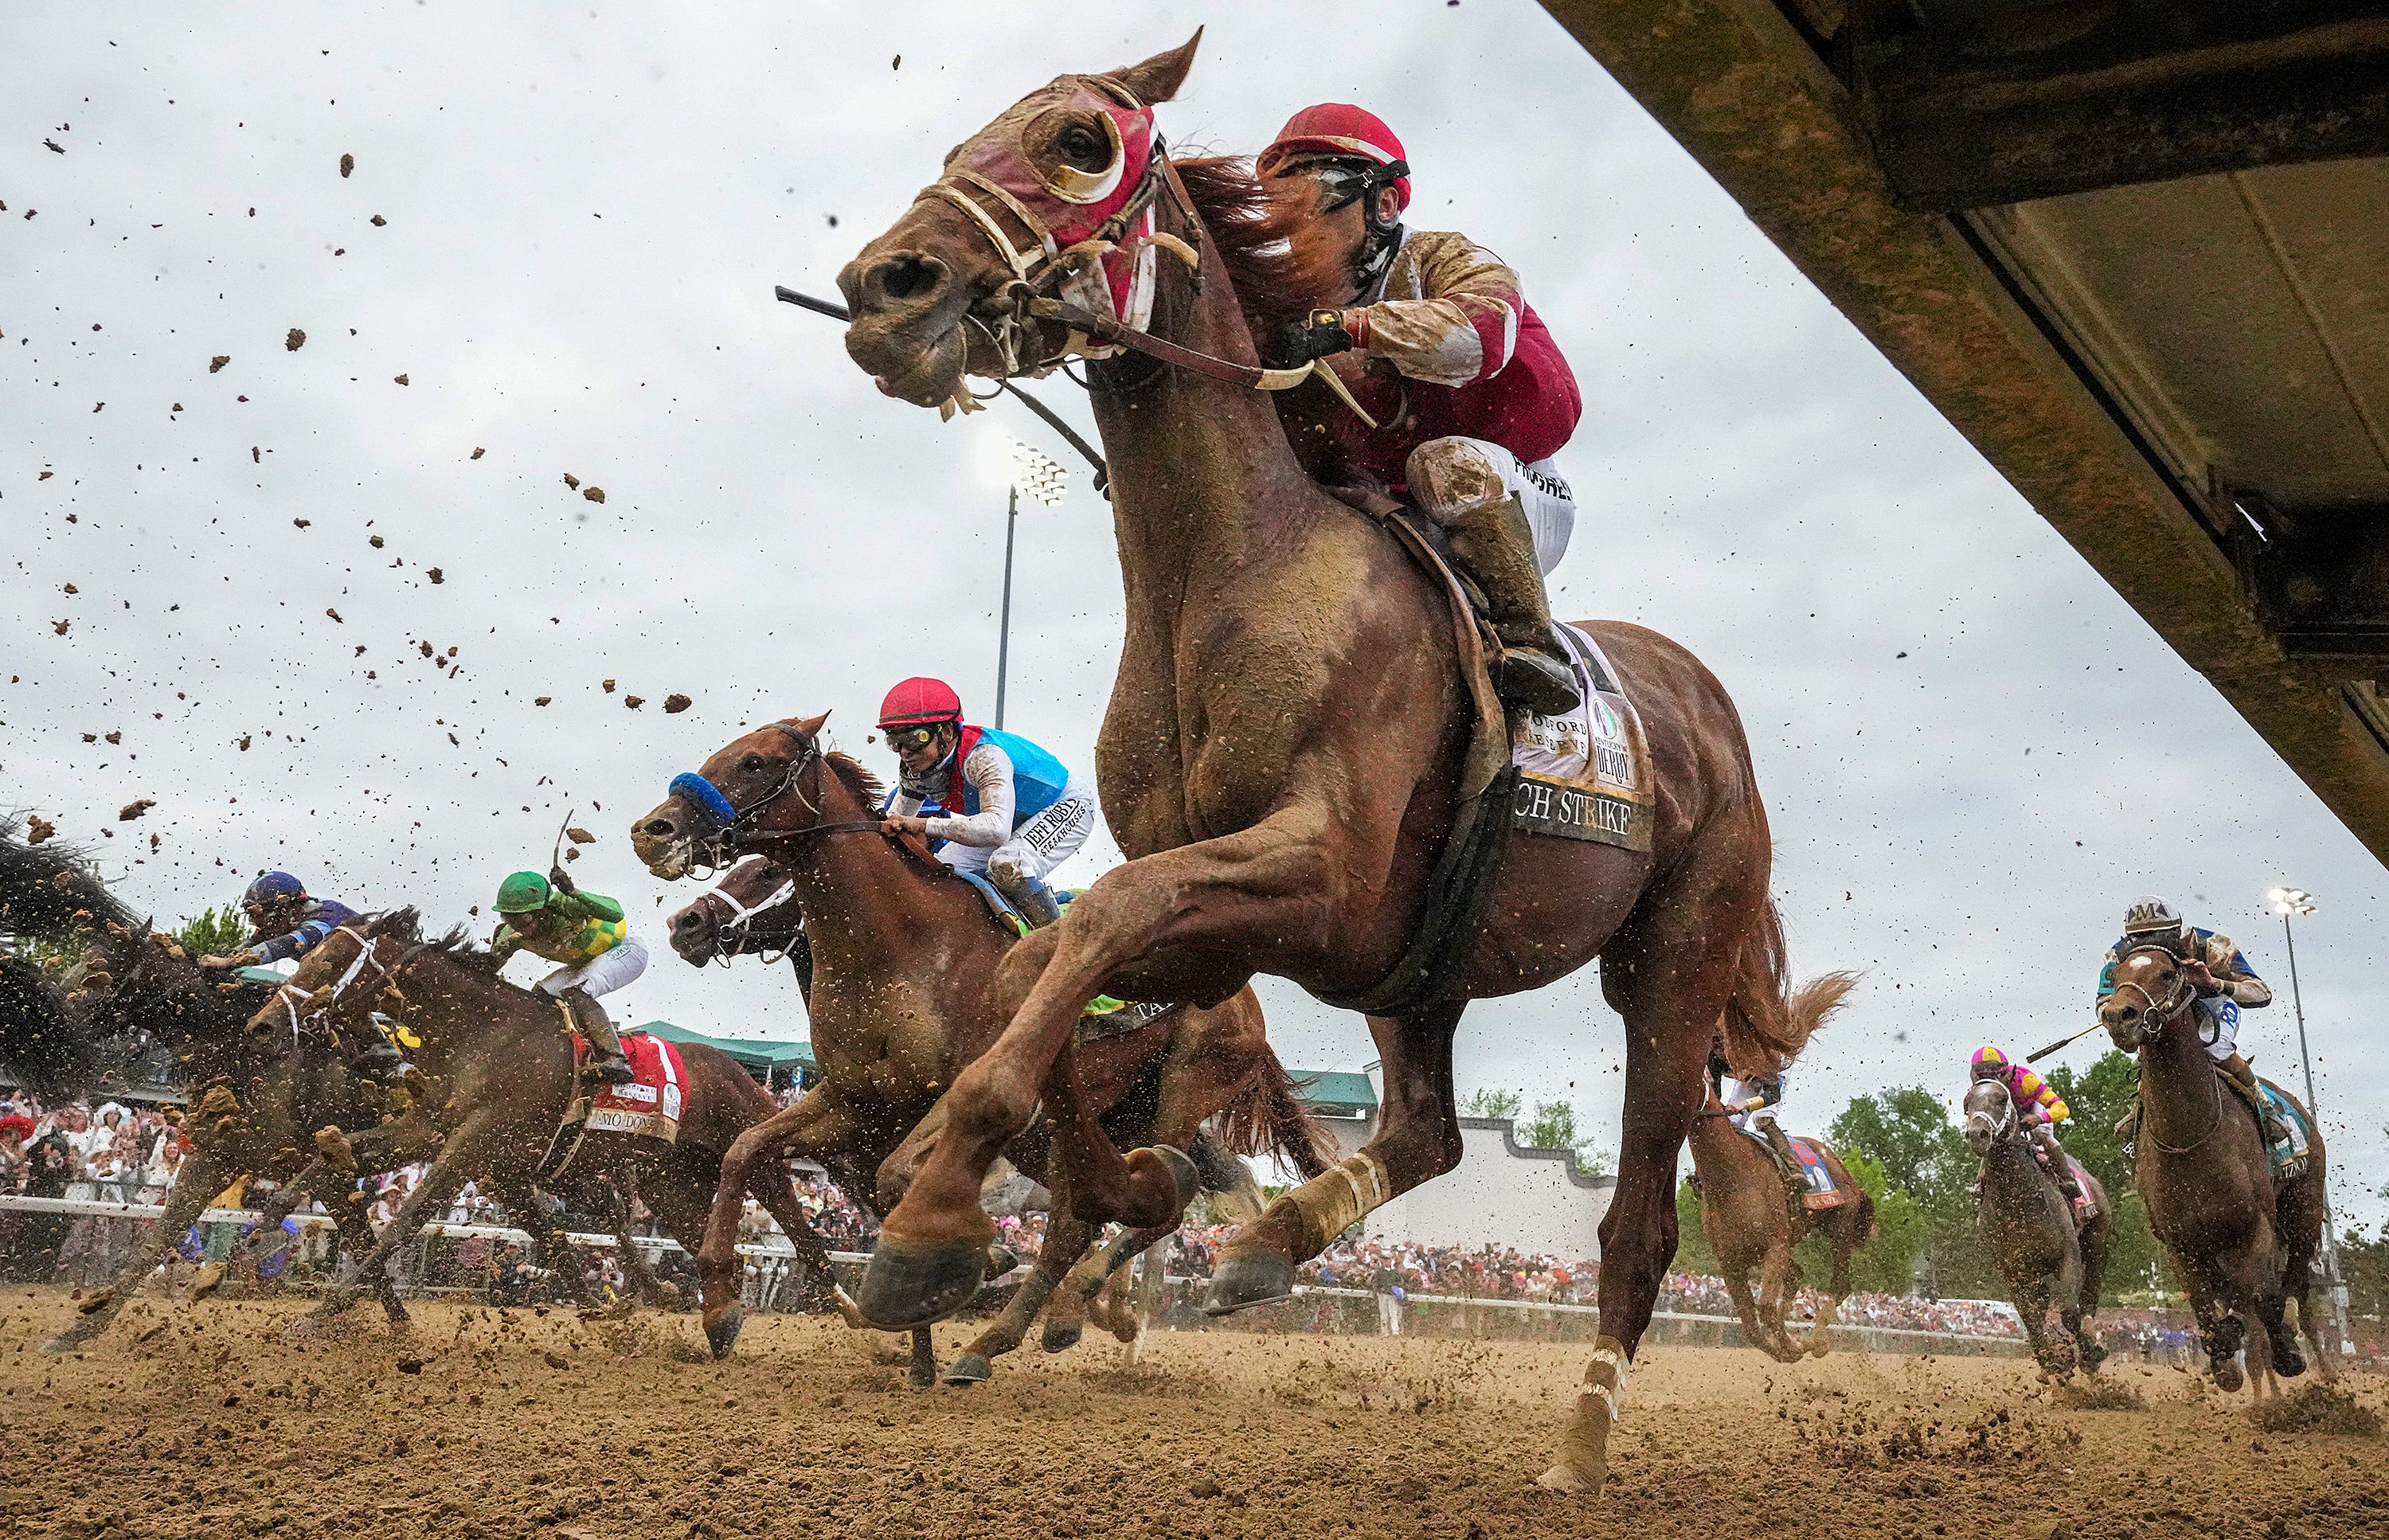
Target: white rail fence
(775,1262)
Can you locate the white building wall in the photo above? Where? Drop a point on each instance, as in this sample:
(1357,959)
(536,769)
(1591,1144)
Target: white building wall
(1502,1195)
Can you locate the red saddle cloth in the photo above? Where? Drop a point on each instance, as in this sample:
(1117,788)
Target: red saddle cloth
(649,1103)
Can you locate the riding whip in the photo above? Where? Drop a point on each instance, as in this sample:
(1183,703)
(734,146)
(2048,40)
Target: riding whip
(2063,1043)
(1051,419)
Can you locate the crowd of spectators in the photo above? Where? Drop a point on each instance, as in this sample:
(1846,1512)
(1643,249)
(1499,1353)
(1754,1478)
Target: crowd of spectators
(112,1152)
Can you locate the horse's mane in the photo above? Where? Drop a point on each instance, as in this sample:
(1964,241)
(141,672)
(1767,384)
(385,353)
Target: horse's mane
(1280,260)
(858,780)
(405,925)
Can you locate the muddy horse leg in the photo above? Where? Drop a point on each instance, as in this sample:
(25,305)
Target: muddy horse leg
(1670,973)
(1842,1239)
(1779,1282)
(465,1152)
(1238,893)
(2221,1331)
(1417,1141)
(1093,1286)
(202,1176)
(1067,1240)
(811,1125)
(1747,1306)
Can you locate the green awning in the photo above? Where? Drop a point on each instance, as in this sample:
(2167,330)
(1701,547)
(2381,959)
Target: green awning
(1336,1092)
(753,1053)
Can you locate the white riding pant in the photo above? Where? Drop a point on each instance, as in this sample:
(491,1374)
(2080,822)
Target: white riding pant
(1453,473)
(2218,1027)
(1036,847)
(602,974)
(1742,1090)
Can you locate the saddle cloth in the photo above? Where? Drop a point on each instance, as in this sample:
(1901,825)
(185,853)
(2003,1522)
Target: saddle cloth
(1105,1017)
(649,1103)
(1822,1193)
(1585,775)
(2288,1157)
(2086,1207)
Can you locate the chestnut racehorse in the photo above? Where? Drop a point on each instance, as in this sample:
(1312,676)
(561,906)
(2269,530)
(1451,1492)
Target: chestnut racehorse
(500,1074)
(1752,1227)
(2049,1260)
(1282,756)
(2241,1243)
(903,955)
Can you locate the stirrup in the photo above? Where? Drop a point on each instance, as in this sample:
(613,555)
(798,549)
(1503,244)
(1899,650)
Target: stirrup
(1537,682)
(613,1068)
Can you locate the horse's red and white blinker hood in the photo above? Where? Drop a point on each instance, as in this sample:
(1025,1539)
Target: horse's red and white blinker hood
(1069,207)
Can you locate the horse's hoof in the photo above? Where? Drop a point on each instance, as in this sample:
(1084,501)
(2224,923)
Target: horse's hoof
(721,1333)
(971,1368)
(910,1283)
(921,1376)
(1564,1477)
(1061,1337)
(2228,1377)
(1244,1278)
(2288,1362)
(1182,1175)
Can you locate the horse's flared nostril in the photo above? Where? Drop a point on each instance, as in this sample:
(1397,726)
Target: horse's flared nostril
(660,828)
(903,277)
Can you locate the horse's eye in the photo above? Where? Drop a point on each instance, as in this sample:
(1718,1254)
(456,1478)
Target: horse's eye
(1083,148)
(754,762)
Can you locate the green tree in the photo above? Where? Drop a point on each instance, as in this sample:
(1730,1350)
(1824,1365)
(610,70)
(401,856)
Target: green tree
(212,930)
(1909,1133)
(1481,1103)
(1552,1127)
(1693,1254)
(2096,1101)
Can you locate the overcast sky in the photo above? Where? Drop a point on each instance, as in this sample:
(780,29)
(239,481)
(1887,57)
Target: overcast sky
(1974,753)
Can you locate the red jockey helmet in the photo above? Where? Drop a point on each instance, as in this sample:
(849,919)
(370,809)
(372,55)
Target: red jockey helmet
(920,700)
(1337,128)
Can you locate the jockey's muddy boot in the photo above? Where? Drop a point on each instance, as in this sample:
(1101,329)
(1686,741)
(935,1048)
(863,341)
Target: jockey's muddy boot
(1031,896)
(1491,542)
(604,1049)
(2242,1076)
(1787,1164)
(2058,1167)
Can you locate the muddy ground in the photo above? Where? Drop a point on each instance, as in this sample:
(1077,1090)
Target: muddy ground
(202,1421)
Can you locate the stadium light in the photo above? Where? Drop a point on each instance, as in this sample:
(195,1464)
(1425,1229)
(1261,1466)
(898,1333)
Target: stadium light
(1046,482)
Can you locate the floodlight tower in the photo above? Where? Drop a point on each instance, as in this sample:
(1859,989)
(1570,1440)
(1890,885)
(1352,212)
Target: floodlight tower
(1047,483)
(2289,902)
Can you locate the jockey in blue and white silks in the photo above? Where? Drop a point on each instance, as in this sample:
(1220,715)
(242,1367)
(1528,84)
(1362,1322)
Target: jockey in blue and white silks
(1014,811)
(285,921)
(2226,985)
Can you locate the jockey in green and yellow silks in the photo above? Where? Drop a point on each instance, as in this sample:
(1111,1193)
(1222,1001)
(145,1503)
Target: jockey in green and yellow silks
(588,933)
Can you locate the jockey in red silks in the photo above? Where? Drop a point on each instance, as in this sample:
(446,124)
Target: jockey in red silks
(1476,398)
(1014,813)
(2038,1103)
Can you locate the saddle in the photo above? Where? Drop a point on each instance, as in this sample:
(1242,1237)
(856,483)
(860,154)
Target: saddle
(1105,1017)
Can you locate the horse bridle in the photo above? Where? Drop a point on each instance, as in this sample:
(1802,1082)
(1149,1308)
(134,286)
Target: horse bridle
(2162,1017)
(744,915)
(322,1002)
(735,837)
(1036,271)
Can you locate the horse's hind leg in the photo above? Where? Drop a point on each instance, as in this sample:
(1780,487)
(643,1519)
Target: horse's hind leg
(203,1175)
(1837,1290)
(923,1371)
(1754,1325)
(1095,1288)
(1067,1240)
(1779,1279)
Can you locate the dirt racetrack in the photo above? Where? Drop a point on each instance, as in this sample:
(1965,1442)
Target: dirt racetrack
(200,1420)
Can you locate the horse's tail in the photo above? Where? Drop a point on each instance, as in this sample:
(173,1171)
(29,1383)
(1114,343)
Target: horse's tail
(41,1039)
(52,891)
(1268,1116)
(1767,1021)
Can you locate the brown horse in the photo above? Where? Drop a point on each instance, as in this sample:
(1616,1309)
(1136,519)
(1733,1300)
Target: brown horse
(753,908)
(1752,1227)
(1284,750)
(903,956)
(255,1105)
(501,1075)
(2050,1260)
(2241,1243)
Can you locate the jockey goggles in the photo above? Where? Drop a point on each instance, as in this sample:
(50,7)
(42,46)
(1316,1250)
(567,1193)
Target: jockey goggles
(904,740)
